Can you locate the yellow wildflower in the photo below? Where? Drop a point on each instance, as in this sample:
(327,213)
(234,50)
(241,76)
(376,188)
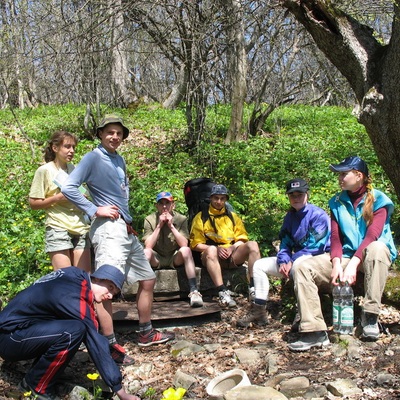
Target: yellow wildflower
(172,394)
(93,377)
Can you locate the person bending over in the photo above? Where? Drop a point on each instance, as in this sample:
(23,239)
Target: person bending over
(39,324)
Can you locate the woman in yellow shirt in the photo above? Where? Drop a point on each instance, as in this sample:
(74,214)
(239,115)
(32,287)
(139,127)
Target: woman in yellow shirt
(67,240)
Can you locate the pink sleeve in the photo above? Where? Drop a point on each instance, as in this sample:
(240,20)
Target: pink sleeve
(336,240)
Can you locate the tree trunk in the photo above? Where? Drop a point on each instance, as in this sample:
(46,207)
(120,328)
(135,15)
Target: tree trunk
(238,70)
(178,91)
(371,68)
(120,71)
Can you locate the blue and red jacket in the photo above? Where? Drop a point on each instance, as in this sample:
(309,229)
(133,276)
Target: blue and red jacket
(64,294)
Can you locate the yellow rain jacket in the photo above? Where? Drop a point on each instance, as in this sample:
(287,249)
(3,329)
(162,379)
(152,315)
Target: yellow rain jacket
(218,229)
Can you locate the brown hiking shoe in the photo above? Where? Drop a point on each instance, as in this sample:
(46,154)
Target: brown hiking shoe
(257,314)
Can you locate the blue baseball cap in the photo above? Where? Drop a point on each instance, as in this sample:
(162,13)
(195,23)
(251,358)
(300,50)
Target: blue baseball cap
(349,164)
(110,273)
(164,195)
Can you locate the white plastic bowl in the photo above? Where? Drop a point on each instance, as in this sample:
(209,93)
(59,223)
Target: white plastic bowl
(227,381)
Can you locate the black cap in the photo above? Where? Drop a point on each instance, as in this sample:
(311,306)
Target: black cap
(349,164)
(297,185)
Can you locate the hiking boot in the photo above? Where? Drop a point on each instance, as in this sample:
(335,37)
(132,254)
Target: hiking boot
(252,294)
(155,337)
(257,314)
(119,355)
(196,299)
(225,299)
(369,323)
(310,339)
(24,387)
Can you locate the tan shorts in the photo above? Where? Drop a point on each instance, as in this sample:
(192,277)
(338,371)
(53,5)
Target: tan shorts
(165,262)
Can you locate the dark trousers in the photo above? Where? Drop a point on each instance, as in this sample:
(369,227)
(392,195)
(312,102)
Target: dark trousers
(51,344)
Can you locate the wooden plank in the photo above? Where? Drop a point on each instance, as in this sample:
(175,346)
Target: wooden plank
(126,311)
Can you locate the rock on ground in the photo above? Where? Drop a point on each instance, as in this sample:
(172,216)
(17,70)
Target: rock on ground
(202,351)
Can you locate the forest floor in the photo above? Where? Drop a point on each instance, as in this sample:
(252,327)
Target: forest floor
(318,365)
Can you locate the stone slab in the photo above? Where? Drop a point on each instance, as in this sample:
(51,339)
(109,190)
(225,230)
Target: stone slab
(174,281)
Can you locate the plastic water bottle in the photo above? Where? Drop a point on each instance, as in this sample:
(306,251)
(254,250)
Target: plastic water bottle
(347,311)
(336,307)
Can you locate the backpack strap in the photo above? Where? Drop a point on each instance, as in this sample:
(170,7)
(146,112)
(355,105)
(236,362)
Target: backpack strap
(205,215)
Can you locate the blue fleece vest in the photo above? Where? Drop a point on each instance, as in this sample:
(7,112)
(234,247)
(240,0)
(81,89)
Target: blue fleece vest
(352,225)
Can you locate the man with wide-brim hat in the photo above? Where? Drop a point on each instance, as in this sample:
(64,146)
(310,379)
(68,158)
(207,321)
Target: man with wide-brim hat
(112,119)
(111,233)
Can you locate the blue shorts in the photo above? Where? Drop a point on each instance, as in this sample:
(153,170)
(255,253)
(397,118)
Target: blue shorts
(113,245)
(57,240)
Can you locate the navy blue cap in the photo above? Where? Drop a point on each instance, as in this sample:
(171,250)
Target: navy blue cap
(349,164)
(110,273)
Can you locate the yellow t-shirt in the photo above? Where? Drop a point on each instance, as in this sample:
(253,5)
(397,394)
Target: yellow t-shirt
(62,215)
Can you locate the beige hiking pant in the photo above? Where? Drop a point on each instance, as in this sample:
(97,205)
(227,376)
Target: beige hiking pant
(314,274)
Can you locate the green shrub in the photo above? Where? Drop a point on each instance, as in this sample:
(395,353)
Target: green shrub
(392,289)
(300,141)
(22,235)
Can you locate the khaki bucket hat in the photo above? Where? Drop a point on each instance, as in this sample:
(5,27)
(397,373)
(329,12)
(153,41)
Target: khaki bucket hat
(112,119)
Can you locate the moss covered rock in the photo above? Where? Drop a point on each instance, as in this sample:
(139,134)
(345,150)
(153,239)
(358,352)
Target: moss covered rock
(391,293)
